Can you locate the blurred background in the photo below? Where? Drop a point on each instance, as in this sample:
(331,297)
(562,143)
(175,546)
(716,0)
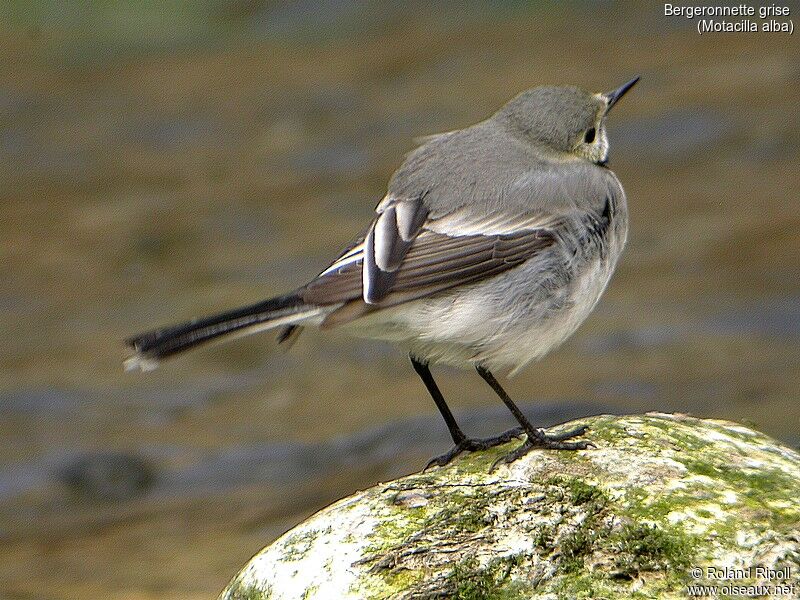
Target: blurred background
(164,160)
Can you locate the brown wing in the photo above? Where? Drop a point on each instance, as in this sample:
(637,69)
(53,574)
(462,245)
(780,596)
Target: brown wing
(434,262)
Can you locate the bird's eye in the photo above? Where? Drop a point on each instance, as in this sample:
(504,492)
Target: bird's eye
(589,137)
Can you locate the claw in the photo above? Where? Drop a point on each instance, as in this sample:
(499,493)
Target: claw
(440,461)
(472,445)
(577,432)
(540,439)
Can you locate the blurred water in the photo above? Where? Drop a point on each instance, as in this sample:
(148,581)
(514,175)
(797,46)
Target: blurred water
(396,448)
(160,161)
(676,135)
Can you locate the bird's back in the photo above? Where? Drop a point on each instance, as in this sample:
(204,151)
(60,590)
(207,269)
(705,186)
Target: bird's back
(485,169)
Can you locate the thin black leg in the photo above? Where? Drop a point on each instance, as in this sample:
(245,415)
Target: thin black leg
(498,389)
(537,438)
(425,374)
(461,441)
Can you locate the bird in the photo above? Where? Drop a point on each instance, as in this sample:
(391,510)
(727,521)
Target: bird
(492,244)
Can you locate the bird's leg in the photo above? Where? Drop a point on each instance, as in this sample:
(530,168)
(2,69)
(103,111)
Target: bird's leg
(461,441)
(537,438)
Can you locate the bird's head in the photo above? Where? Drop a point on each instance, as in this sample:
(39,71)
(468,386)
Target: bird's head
(565,119)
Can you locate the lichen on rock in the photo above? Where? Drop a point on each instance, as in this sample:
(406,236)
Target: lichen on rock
(659,497)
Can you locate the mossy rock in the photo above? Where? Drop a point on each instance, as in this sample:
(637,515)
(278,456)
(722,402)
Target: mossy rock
(656,506)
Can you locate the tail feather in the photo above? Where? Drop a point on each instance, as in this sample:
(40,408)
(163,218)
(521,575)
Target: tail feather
(155,345)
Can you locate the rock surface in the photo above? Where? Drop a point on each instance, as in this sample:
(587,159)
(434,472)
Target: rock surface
(662,502)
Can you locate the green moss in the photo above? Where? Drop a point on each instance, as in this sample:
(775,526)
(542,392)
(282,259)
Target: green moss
(469,581)
(575,547)
(454,512)
(637,548)
(682,435)
(480,463)
(580,542)
(698,467)
(642,547)
(387,535)
(544,538)
(585,587)
(298,545)
(401,579)
(603,429)
(578,491)
(762,483)
(758,489)
(640,505)
(449,514)
(463,514)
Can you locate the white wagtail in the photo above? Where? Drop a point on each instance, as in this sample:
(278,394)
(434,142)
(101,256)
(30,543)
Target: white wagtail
(491,246)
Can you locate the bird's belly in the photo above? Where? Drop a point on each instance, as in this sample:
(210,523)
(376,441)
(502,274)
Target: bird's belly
(529,343)
(504,323)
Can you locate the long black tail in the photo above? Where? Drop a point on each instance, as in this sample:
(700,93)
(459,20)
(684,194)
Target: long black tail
(153,346)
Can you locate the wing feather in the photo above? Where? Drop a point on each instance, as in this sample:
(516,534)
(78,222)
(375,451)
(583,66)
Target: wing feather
(391,235)
(434,262)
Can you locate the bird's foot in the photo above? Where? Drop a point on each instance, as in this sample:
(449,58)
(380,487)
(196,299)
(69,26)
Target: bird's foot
(471,445)
(539,439)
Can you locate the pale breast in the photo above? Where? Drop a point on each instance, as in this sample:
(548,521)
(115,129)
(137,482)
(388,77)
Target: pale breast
(512,319)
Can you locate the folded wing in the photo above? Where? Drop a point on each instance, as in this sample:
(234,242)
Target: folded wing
(402,259)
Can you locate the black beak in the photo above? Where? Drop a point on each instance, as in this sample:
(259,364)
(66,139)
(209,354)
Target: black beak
(614,96)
